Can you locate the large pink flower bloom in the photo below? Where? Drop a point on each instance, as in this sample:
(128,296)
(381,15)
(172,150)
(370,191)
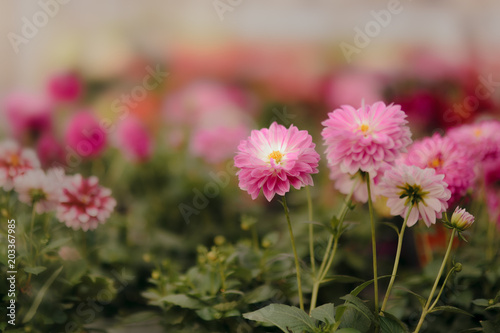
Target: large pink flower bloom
(84,204)
(481,140)
(448,159)
(15,161)
(363,139)
(272,159)
(422,189)
(44,188)
(85,135)
(134,140)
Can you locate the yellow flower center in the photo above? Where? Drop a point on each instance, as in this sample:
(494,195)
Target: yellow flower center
(364,128)
(435,163)
(14,160)
(477,132)
(276,156)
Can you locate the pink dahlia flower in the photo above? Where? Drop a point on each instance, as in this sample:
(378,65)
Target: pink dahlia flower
(134,140)
(49,150)
(447,158)
(481,140)
(85,135)
(272,159)
(408,186)
(84,204)
(28,115)
(217,144)
(65,87)
(45,189)
(15,161)
(363,139)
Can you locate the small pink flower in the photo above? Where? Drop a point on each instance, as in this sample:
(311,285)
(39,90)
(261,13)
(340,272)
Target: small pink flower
(69,254)
(365,138)
(408,186)
(43,188)
(273,159)
(84,204)
(15,161)
(28,115)
(49,150)
(134,140)
(481,140)
(65,87)
(85,135)
(448,159)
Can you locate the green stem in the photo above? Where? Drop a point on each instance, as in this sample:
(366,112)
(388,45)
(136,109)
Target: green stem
(327,257)
(255,238)
(311,230)
(442,288)
(396,260)
(374,241)
(490,253)
(32,225)
(297,265)
(426,309)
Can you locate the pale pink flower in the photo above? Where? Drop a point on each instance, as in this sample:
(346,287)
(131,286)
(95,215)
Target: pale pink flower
(217,144)
(65,87)
(461,219)
(408,186)
(69,254)
(85,135)
(351,87)
(134,140)
(481,140)
(84,204)
(448,159)
(365,138)
(15,161)
(28,115)
(45,189)
(273,159)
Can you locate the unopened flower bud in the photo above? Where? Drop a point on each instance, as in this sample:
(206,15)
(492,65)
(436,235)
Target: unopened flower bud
(461,219)
(458,267)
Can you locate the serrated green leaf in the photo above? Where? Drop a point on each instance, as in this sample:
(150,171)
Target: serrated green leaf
(449,308)
(390,324)
(324,313)
(287,318)
(359,305)
(184,301)
(35,270)
(494,306)
(259,294)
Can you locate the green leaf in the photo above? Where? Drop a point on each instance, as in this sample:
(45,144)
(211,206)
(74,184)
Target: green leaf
(287,318)
(421,299)
(359,305)
(39,296)
(56,244)
(353,319)
(341,279)
(450,309)
(392,226)
(184,301)
(324,313)
(348,330)
(494,306)
(259,294)
(390,324)
(481,302)
(362,286)
(491,326)
(35,270)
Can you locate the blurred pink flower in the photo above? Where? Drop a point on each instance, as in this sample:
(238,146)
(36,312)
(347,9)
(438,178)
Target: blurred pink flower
(28,115)
(275,158)
(68,253)
(15,161)
(49,150)
(85,135)
(422,189)
(84,204)
(492,183)
(350,88)
(481,140)
(218,143)
(65,87)
(43,188)
(134,140)
(365,138)
(448,159)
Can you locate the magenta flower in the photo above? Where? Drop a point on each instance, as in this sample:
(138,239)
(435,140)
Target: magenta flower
(363,139)
(84,204)
(408,186)
(134,140)
(43,188)
(85,135)
(28,115)
(49,150)
(273,159)
(447,158)
(481,140)
(15,161)
(65,87)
